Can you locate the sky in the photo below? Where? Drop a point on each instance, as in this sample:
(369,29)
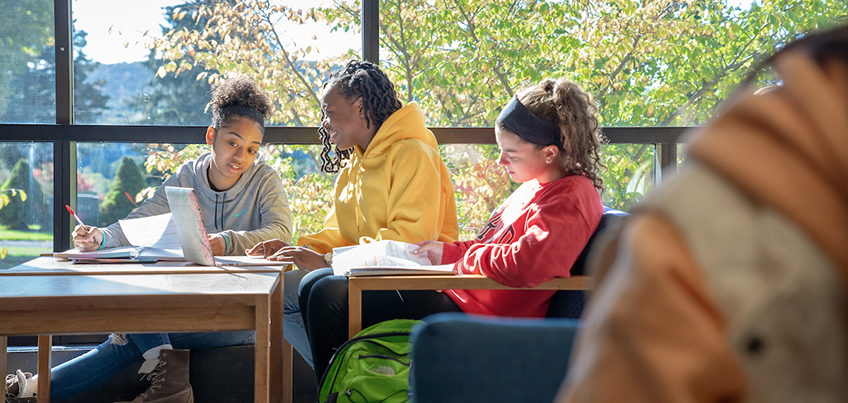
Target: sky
(115,29)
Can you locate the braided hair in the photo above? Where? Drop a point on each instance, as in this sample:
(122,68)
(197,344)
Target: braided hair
(237,98)
(379,100)
(563,104)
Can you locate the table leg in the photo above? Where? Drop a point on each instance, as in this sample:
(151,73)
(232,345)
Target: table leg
(3,344)
(263,352)
(288,367)
(45,352)
(281,360)
(354,306)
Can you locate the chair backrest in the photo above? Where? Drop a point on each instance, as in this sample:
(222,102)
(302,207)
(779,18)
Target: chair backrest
(569,304)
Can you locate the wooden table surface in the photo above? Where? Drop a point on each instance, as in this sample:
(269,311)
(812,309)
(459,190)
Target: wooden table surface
(48,266)
(46,297)
(357,284)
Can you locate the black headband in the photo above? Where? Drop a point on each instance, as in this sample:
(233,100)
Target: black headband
(519,120)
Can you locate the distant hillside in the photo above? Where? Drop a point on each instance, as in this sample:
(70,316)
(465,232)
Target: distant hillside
(125,84)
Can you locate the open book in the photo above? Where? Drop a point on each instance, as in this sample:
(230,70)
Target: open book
(383,258)
(153,238)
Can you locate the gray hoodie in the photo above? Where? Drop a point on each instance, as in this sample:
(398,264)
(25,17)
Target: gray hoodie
(255,209)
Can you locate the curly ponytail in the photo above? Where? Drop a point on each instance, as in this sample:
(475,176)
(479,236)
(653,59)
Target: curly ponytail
(564,105)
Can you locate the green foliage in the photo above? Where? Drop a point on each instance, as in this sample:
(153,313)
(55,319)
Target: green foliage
(27,27)
(659,63)
(15,235)
(120,201)
(22,199)
(33,95)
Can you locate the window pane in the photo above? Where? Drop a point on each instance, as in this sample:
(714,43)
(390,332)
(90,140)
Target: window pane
(629,175)
(26,201)
(480,185)
(102,199)
(152,62)
(660,63)
(27,62)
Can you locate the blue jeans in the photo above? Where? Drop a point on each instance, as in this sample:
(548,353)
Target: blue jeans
(97,366)
(293,329)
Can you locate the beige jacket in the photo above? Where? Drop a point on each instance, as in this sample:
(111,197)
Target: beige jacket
(728,283)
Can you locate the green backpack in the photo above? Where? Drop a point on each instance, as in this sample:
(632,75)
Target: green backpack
(371,367)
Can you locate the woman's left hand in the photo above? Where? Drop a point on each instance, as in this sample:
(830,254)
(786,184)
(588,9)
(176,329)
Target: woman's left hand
(304,258)
(218,244)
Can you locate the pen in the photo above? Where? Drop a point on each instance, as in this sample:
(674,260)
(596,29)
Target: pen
(85,227)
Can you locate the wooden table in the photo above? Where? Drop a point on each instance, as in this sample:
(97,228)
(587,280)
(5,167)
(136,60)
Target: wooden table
(46,296)
(439,282)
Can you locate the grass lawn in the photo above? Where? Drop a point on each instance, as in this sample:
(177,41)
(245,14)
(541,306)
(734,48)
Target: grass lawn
(17,256)
(15,235)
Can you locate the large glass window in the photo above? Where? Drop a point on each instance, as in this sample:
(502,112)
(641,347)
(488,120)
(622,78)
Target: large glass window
(657,63)
(157,66)
(27,62)
(26,201)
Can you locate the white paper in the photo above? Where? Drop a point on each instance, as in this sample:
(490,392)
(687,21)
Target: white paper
(156,231)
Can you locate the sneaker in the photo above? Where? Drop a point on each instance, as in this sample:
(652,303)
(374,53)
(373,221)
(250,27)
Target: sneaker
(16,385)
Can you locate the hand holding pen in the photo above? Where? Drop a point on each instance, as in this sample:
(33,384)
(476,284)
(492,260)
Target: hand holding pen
(86,237)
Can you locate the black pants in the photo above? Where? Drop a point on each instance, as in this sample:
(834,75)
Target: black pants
(324,297)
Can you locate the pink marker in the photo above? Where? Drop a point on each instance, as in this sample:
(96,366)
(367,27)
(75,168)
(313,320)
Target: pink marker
(70,210)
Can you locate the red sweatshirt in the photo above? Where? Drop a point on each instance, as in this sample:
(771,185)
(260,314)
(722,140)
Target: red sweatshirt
(535,235)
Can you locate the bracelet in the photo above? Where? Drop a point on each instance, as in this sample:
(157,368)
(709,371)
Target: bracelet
(102,242)
(226,243)
(328,259)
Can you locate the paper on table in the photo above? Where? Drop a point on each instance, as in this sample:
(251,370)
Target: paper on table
(158,231)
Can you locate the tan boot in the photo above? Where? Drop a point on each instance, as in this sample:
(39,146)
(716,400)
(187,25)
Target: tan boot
(169,381)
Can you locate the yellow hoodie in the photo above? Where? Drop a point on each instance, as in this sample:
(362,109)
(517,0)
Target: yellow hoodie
(399,189)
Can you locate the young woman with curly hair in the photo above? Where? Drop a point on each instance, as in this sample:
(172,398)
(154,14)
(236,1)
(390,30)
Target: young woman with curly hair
(242,201)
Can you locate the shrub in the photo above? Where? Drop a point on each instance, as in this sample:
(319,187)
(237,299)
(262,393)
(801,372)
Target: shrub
(23,210)
(120,200)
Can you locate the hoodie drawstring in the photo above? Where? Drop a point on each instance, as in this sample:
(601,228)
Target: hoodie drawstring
(223,198)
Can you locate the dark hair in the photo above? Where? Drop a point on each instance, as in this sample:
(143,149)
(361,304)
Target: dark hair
(564,105)
(822,47)
(379,99)
(237,98)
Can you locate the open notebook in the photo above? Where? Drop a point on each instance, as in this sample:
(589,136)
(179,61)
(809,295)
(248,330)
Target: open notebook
(192,233)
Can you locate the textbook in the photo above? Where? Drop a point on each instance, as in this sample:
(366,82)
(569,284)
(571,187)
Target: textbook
(383,258)
(128,253)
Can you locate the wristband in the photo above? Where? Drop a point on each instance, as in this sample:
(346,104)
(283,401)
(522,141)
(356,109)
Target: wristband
(102,242)
(226,243)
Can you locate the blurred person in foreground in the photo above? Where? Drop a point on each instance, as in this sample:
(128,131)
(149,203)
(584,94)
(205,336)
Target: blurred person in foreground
(728,283)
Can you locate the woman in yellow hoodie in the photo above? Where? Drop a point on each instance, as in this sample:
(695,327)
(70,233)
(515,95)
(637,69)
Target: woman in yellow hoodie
(392,183)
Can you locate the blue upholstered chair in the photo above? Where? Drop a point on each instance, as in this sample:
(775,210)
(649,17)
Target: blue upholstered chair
(468,358)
